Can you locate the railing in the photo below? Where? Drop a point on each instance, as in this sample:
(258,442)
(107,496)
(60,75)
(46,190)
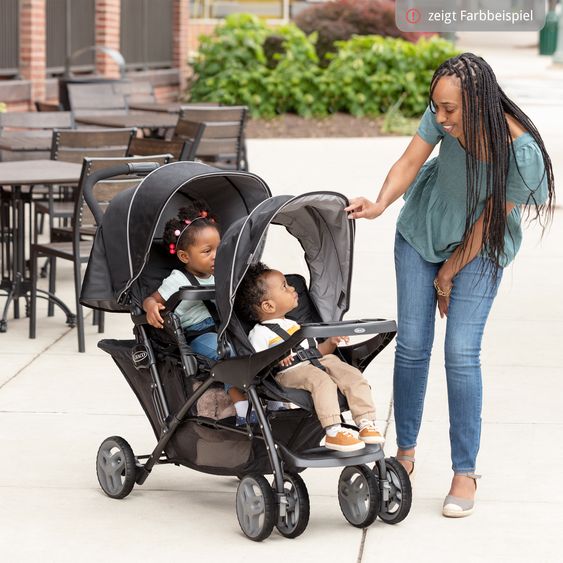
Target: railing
(70,27)
(9,37)
(146,33)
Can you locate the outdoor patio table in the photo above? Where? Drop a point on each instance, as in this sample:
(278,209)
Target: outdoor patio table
(140,119)
(14,175)
(26,143)
(23,146)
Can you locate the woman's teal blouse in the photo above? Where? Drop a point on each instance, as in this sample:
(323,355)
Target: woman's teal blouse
(433,217)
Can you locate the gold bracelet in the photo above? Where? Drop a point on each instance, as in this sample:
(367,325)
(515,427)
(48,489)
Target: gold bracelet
(440,291)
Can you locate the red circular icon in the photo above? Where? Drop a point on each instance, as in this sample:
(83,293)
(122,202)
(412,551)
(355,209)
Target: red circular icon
(413,15)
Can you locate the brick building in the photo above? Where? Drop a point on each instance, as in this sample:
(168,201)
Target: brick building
(37,37)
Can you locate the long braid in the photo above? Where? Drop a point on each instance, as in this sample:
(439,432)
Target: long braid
(488,146)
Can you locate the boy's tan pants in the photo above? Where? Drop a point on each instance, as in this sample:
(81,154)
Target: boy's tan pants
(323,387)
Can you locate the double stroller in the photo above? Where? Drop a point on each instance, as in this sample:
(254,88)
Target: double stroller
(182,393)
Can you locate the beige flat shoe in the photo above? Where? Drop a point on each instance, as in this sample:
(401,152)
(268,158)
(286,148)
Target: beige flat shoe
(457,507)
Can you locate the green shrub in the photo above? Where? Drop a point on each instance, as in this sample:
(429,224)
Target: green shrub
(231,68)
(341,19)
(277,71)
(369,74)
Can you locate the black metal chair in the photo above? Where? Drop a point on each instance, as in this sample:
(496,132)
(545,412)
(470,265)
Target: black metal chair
(73,146)
(78,250)
(180,150)
(223,143)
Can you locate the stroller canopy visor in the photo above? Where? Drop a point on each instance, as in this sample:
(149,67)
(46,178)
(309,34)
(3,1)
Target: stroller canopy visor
(317,220)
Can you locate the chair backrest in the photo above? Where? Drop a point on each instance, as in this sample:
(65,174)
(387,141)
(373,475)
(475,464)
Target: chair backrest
(179,150)
(223,143)
(73,146)
(92,99)
(105,190)
(190,132)
(135,91)
(27,120)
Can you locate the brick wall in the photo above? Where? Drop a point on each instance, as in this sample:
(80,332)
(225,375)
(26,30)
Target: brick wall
(180,35)
(108,14)
(197,28)
(33,50)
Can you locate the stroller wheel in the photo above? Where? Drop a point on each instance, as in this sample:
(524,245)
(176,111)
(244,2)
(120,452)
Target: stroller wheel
(296,517)
(116,467)
(358,495)
(256,507)
(397,499)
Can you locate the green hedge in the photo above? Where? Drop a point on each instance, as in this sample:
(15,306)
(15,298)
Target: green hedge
(275,71)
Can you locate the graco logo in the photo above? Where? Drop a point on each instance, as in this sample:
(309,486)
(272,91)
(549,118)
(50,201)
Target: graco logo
(359,330)
(140,356)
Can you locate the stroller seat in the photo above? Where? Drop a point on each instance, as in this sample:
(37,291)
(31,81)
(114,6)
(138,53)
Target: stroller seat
(305,312)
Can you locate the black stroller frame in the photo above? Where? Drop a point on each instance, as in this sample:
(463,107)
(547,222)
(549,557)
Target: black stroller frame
(283,443)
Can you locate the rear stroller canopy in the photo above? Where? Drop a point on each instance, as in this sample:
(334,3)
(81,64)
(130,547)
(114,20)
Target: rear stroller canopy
(136,216)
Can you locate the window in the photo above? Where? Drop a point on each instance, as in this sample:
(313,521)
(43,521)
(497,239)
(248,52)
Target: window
(9,38)
(70,27)
(146,33)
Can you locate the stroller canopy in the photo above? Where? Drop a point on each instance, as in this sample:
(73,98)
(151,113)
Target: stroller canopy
(317,220)
(136,216)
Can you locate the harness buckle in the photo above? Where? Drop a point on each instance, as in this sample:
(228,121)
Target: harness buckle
(307,354)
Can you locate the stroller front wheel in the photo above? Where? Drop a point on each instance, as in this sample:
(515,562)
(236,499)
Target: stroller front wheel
(396,492)
(296,517)
(358,495)
(256,507)
(116,467)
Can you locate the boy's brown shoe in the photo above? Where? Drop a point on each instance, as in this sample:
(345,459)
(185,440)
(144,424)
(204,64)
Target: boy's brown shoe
(370,434)
(344,441)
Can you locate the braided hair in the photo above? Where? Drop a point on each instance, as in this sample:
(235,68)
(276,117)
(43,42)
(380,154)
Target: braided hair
(181,231)
(487,138)
(251,291)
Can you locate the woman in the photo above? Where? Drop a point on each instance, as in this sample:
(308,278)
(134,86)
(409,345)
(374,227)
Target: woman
(458,229)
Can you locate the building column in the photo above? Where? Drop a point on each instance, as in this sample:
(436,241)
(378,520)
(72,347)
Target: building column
(108,19)
(180,36)
(33,46)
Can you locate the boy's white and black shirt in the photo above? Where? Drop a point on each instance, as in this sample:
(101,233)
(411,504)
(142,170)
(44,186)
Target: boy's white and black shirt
(262,338)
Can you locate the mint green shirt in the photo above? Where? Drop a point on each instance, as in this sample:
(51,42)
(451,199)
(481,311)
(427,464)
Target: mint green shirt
(432,220)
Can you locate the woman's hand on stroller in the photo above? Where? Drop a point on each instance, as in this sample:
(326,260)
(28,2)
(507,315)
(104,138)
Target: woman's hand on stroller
(363,208)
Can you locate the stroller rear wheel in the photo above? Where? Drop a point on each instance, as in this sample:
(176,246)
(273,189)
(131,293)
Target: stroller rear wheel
(296,517)
(256,507)
(116,467)
(358,495)
(397,499)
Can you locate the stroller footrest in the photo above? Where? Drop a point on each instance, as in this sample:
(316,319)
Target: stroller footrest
(323,457)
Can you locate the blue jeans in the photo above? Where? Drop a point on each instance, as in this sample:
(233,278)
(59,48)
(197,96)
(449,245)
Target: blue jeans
(205,344)
(470,302)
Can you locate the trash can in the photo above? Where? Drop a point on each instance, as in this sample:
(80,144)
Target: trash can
(548,34)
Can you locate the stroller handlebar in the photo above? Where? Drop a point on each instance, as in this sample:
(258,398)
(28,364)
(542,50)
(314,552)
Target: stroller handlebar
(348,328)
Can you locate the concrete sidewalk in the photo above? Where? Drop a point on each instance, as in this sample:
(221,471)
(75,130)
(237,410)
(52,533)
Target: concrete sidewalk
(56,406)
